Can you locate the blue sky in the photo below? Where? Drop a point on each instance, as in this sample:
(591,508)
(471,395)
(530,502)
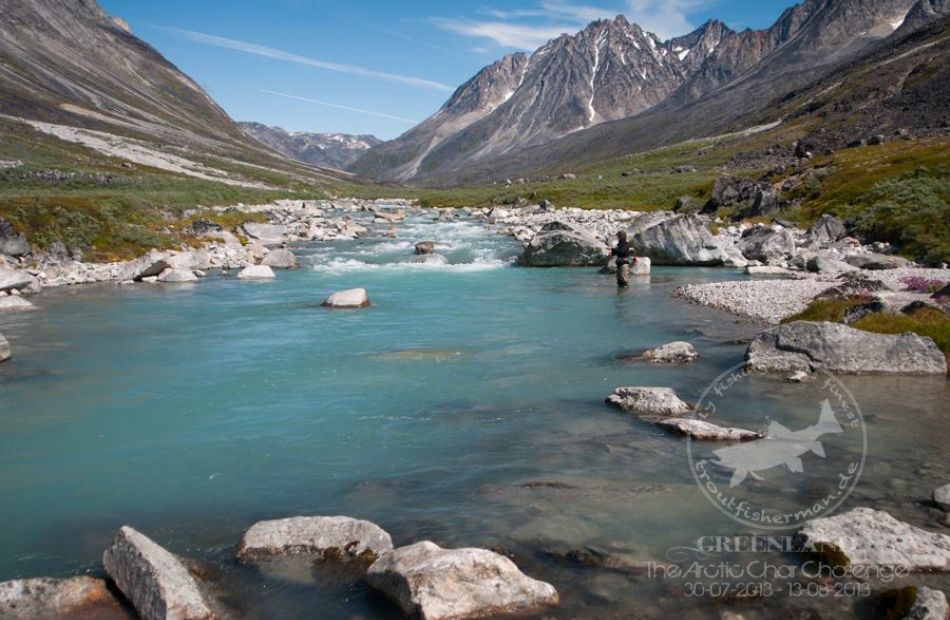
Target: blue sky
(377,66)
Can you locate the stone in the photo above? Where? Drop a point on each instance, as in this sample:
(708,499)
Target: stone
(677,240)
(351,298)
(868,537)
(256,272)
(640,267)
(824,264)
(265,233)
(563,245)
(706,431)
(425,247)
(281,259)
(15,304)
(809,346)
(155,582)
(859,311)
(200,227)
(177,275)
(14,280)
(827,230)
(46,598)
(12,243)
(929,604)
(799,376)
(876,262)
(671,353)
(432,583)
(4,349)
(152,266)
(342,538)
(941,497)
(650,401)
(763,243)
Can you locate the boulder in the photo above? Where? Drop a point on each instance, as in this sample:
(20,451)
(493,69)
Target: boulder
(563,245)
(45,598)
(706,431)
(808,346)
(432,583)
(824,264)
(14,280)
(156,583)
(4,349)
(425,247)
(177,275)
(12,243)
(859,311)
(281,259)
(868,537)
(671,353)
(941,497)
(200,227)
(323,537)
(678,240)
(649,401)
(149,266)
(763,243)
(828,229)
(352,298)
(15,304)
(925,604)
(876,262)
(265,233)
(641,267)
(256,272)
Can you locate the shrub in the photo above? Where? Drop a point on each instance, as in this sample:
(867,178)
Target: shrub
(826,310)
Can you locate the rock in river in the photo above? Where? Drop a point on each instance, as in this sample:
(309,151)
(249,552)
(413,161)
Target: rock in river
(706,431)
(868,537)
(45,598)
(806,345)
(177,275)
(325,537)
(432,583)
(157,584)
(352,298)
(256,272)
(4,349)
(671,353)
(679,240)
(563,245)
(650,401)
(280,259)
(941,497)
(425,247)
(15,304)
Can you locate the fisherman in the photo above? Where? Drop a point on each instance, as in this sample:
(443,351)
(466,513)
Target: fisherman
(622,252)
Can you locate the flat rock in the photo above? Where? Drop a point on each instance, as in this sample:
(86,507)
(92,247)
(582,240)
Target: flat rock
(706,431)
(678,240)
(876,262)
(808,346)
(177,275)
(265,233)
(941,497)
(281,259)
(563,245)
(157,584)
(14,280)
(825,264)
(352,298)
(868,537)
(45,598)
(650,401)
(323,537)
(671,353)
(432,583)
(4,349)
(256,272)
(15,304)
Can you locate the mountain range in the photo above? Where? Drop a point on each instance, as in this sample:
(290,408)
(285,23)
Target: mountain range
(613,88)
(327,150)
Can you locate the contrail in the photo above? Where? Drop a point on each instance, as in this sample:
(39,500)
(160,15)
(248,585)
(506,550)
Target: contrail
(341,107)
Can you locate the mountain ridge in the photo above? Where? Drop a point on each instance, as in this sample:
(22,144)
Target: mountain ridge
(325,150)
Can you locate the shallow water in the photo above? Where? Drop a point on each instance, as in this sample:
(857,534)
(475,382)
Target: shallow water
(465,407)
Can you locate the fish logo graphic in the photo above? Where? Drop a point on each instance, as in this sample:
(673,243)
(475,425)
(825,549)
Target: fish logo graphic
(780,447)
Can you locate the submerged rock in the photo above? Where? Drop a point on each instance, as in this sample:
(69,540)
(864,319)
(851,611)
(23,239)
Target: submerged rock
(651,401)
(280,259)
(4,349)
(157,584)
(678,240)
(324,537)
(808,346)
(352,298)
(45,598)
(706,431)
(868,537)
(564,245)
(671,353)
(256,272)
(432,583)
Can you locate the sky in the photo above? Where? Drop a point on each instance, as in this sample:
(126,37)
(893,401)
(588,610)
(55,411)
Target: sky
(377,66)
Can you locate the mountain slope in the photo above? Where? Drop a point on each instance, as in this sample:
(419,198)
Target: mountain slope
(576,88)
(327,150)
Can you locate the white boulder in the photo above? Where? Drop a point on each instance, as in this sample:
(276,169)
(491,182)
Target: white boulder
(671,353)
(256,272)
(280,259)
(15,304)
(326,537)
(706,431)
(650,401)
(4,349)
(351,298)
(45,598)
(177,275)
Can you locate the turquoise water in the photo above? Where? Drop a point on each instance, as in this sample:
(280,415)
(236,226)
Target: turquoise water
(465,406)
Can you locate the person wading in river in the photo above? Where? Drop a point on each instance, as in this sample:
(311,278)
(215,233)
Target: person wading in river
(622,253)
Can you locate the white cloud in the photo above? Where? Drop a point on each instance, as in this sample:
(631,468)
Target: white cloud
(506,34)
(664,18)
(276,54)
(341,107)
